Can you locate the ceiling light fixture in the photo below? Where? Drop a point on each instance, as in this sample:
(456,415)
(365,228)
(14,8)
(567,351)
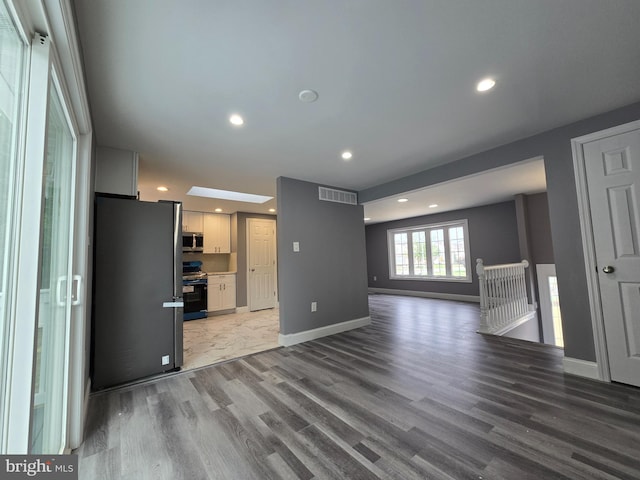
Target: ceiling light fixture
(402,200)
(218,210)
(485,84)
(433,205)
(236,120)
(228,195)
(308,96)
(272,210)
(162,188)
(347,155)
(366,219)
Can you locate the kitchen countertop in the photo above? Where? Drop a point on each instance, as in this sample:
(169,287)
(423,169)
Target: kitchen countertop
(221,273)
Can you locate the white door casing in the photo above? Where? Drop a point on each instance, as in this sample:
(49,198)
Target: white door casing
(261,263)
(608,168)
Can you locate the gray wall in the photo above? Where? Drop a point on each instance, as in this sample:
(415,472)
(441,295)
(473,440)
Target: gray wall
(539,224)
(239,245)
(493,236)
(331,267)
(555,147)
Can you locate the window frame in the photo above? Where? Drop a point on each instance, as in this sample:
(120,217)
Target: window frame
(427,228)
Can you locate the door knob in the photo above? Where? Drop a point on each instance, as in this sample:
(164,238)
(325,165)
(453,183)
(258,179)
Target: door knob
(608,269)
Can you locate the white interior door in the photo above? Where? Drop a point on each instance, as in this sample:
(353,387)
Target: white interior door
(612,167)
(261,246)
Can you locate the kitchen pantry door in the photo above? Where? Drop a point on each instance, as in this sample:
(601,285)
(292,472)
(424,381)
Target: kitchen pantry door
(612,169)
(261,243)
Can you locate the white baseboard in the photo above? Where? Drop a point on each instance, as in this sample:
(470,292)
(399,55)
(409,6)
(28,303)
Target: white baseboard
(307,335)
(581,368)
(413,293)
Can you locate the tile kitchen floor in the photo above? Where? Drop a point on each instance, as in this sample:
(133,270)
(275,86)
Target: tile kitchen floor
(223,337)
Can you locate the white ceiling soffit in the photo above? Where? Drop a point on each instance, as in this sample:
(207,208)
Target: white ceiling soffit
(493,186)
(396,84)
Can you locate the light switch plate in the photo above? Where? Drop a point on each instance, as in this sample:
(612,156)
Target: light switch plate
(296,246)
(165,359)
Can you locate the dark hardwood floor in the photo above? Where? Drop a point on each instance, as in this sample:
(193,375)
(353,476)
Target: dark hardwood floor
(416,395)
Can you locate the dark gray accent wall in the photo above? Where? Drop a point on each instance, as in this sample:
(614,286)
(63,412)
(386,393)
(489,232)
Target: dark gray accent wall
(240,241)
(331,266)
(555,147)
(493,236)
(539,226)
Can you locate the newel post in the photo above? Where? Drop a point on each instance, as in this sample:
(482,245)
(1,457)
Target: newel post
(484,324)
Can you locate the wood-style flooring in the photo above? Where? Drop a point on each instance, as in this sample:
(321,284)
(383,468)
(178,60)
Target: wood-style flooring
(415,395)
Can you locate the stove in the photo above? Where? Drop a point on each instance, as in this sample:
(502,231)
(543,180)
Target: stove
(194,290)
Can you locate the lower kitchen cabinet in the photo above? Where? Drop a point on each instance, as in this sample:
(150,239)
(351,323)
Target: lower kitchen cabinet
(221,292)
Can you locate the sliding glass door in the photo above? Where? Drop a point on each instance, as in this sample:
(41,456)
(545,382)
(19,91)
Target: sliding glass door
(12,64)
(55,298)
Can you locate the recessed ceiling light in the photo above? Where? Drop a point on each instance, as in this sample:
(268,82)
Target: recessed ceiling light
(347,155)
(272,210)
(227,195)
(366,219)
(218,210)
(162,188)
(402,200)
(236,119)
(485,84)
(433,205)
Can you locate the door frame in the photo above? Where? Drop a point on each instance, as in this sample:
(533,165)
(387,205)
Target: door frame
(275,257)
(543,272)
(588,244)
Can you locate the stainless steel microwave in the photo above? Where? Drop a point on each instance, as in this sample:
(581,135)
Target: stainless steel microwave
(192,242)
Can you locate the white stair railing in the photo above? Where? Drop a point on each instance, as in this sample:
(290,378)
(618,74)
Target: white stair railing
(503,296)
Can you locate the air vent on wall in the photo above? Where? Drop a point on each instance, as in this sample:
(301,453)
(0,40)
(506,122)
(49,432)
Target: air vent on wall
(338,196)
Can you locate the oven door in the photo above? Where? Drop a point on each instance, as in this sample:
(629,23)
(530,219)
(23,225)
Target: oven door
(194,294)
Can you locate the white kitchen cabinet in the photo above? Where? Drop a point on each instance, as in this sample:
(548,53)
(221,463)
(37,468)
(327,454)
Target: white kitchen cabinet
(192,221)
(221,292)
(217,233)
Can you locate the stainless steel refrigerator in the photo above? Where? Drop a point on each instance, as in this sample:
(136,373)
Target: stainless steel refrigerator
(137,290)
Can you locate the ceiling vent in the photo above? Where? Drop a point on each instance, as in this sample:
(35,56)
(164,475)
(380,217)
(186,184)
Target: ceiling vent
(338,196)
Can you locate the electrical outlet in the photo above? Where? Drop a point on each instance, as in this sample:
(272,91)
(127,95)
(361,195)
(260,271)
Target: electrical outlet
(314,306)
(375,279)
(296,246)
(165,359)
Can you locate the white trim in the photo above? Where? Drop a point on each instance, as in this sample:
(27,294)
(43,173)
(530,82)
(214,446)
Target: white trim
(244,309)
(307,335)
(413,293)
(581,368)
(464,223)
(588,246)
(531,315)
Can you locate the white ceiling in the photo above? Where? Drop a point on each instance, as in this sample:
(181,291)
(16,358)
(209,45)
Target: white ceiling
(492,186)
(395,81)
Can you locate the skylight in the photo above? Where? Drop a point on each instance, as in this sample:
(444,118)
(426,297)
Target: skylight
(227,195)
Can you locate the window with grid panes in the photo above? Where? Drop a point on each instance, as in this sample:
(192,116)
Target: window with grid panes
(430,252)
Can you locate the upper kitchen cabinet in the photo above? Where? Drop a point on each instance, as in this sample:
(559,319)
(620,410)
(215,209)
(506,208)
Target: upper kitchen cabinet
(193,222)
(217,233)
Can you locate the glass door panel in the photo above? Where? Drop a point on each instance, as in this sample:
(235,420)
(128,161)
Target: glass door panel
(12,58)
(49,403)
